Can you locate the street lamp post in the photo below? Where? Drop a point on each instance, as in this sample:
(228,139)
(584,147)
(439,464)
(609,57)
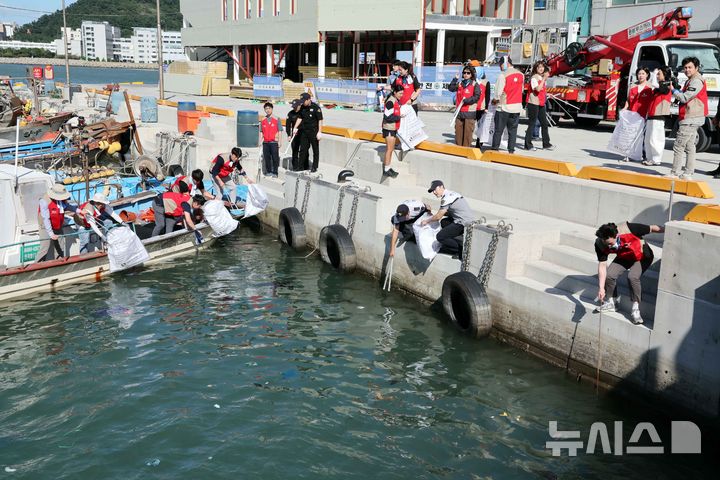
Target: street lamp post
(67,62)
(159,49)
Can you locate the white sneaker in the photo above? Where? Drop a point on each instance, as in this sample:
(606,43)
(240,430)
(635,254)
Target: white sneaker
(635,314)
(608,306)
(686,176)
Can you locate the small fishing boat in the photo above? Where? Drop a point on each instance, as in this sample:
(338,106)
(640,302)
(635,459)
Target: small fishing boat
(20,275)
(40,128)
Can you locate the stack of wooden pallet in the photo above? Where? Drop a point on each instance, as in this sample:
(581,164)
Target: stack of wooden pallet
(311,71)
(198,78)
(291,90)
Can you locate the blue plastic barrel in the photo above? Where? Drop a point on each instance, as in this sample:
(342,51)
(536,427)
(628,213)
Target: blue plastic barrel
(148,109)
(186,107)
(248,125)
(116,101)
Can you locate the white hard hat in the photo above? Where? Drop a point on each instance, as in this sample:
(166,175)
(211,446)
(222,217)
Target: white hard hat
(100,198)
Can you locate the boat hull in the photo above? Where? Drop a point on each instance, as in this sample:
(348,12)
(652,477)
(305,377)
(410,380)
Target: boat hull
(53,275)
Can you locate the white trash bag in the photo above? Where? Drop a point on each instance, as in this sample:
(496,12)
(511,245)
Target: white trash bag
(628,136)
(219,219)
(426,237)
(125,250)
(257,200)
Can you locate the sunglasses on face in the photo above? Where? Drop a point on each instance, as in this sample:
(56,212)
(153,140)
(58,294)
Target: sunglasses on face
(466,73)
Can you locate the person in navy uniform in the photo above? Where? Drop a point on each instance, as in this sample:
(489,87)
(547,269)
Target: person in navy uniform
(309,127)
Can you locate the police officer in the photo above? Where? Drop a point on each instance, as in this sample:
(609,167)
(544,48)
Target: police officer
(294,139)
(309,126)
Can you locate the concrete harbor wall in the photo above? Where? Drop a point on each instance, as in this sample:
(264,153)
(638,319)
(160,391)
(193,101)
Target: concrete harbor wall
(76,63)
(543,283)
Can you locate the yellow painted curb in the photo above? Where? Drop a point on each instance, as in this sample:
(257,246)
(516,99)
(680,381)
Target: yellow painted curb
(691,188)
(368,136)
(567,169)
(704,214)
(340,132)
(444,148)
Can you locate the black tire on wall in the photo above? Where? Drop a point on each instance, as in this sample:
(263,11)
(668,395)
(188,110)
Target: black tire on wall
(466,303)
(337,248)
(292,228)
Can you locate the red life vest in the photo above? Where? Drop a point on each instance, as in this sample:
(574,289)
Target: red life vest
(702,96)
(227,169)
(270,127)
(81,211)
(57,218)
(630,248)
(463,93)
(639,101)
(172,202)
(396,112)
(660,104)
(514,88)
(175,187)
(408,89)
(541,95)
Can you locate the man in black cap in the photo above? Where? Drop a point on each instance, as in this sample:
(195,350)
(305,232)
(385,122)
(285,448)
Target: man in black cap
(403,220)
(458,213)
(309,126)
(294,140)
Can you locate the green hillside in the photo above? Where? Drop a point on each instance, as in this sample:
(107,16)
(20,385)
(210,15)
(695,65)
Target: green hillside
(125,14)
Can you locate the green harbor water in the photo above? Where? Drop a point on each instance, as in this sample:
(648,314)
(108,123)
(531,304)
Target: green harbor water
(250,361)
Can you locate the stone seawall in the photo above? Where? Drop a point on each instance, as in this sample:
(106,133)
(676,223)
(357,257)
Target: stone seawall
(76,63)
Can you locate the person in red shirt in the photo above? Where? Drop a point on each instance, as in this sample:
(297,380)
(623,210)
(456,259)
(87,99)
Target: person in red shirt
(469,94)
(631,254)
(508,99)
(410,84)
(640,95)
(270,138)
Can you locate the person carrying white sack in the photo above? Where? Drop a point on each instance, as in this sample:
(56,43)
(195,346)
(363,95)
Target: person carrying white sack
(658,112)
(405,216)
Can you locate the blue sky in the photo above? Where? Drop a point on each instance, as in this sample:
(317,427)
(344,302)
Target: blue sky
(19,16)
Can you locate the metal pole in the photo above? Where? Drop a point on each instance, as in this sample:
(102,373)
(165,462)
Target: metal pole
(670,202)
(67,61)
(159,49)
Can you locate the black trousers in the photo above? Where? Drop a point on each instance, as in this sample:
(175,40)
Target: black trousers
(271,156)
(505,120)
(536,112)
(308,138)
(295,146)
(446,236)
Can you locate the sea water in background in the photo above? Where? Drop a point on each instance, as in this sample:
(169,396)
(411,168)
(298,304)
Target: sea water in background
(251,361)
(87,75)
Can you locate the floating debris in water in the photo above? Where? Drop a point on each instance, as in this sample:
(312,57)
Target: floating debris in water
(360,307)
(153,462)
(10,469)
(504,414)
(509,371)
(216,406)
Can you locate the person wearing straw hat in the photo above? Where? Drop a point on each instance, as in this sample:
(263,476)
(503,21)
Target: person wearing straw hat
(88,215)
(52,208)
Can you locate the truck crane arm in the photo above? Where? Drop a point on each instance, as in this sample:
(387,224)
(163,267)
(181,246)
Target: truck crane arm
(621,45)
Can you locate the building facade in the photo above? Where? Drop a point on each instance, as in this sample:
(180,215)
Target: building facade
(7,30)
(16,45)
(97,40)
(144,46)
(351,38)
(74,40)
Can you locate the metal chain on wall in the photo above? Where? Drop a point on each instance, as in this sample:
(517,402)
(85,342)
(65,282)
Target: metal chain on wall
(353,208)
(306,197)
(297,189)
(467,242)
(486,267)
(340,202)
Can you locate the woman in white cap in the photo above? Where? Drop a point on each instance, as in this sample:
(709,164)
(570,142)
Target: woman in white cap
(52,208)
(98,209)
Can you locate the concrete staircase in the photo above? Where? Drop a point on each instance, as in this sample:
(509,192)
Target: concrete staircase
(568,270)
